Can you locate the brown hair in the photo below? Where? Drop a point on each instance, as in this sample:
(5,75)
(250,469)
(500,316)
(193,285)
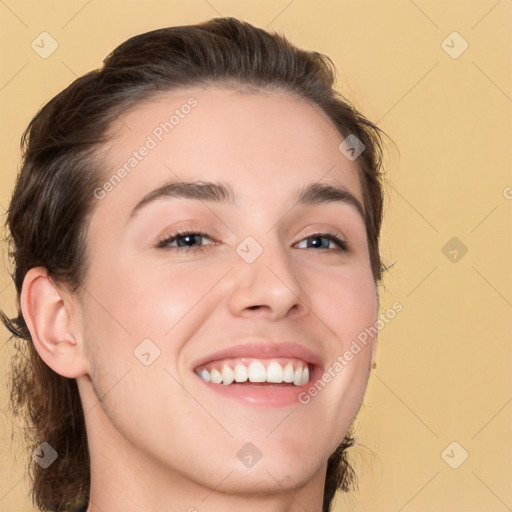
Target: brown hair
(53,201)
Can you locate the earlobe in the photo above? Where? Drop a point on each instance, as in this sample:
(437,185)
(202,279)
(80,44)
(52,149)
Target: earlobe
(375,343)
(46,314)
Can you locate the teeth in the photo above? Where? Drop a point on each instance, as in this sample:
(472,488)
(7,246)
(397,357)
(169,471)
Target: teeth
(288,373)
(256,372)
(305,376)
(297,378)
(228,375)
(241,373)
(275,372)
(216,376)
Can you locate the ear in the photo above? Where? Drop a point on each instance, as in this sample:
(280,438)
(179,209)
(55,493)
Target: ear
(374,350)
(48,315)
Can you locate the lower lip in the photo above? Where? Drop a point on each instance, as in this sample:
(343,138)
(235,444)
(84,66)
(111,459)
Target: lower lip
(264,395)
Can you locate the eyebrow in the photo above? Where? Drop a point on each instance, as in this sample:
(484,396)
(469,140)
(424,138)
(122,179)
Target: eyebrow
(314,193)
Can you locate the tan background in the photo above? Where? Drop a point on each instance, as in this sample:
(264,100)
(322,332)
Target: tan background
(444,361)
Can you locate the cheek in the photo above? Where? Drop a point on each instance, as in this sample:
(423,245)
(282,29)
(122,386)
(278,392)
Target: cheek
(346,304)
(344,299)
(172,297)
(150,301)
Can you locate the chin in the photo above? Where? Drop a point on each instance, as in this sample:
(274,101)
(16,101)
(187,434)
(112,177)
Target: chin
(271,477)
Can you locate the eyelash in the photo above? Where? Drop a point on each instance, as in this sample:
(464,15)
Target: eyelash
(164,243)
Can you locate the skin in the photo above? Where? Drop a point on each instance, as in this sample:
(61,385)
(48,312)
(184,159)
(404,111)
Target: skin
(158,440)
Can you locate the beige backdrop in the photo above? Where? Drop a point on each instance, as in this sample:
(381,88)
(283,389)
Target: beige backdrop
(436,76)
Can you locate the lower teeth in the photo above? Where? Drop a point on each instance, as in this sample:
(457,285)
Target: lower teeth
(247,382)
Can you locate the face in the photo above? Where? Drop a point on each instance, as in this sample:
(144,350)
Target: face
(195,284)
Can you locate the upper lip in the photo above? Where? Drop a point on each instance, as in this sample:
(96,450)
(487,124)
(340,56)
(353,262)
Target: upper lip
(263,350)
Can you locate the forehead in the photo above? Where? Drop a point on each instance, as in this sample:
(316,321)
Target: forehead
(262,143)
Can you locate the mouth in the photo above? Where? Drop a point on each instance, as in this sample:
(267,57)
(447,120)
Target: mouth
(260,374)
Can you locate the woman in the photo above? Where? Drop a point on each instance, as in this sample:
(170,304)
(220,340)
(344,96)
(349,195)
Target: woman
(195,234)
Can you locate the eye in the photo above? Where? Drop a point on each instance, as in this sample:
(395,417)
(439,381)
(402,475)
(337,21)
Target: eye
(188,240)
(324,241)
(183,240)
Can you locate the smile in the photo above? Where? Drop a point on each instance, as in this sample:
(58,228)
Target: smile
(284,371)
(260,373)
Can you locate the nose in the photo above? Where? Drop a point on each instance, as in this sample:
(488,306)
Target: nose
(269,287)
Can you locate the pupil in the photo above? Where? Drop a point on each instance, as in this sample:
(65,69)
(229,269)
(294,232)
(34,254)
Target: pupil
(189,239)
(316,241)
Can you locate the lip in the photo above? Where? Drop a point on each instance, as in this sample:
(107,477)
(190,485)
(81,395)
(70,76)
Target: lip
(262,350)
(263,395)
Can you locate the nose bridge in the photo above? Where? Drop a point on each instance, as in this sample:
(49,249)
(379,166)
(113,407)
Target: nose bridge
(266,277)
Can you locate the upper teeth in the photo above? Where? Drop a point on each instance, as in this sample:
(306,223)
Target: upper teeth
(257,372)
